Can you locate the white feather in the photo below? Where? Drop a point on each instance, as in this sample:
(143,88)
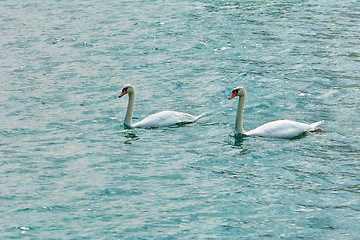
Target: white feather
(160,119)
(276,129)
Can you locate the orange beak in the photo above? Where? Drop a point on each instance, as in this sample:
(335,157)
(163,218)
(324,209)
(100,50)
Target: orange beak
(234,94)
(122,93)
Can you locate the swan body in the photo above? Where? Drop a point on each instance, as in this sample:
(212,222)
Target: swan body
(283,129)
(160,119)
(165,118)
(276,129)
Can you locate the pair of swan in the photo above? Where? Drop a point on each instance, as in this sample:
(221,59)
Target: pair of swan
(276,129)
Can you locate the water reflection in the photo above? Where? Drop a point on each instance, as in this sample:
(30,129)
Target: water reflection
(239,139)
(130,137)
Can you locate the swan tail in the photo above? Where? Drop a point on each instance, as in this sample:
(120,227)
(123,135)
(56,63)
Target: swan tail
(315,125)
(199,116)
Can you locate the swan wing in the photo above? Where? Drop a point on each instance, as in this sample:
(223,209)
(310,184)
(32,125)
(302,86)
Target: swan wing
(166,118)
(283,129)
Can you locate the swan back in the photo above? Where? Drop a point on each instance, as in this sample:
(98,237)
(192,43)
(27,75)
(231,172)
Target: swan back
(283,129)
(166,118)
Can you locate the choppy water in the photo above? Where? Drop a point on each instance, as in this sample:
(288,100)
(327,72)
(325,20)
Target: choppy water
(70,170)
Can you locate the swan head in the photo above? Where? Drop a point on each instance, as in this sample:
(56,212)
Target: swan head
(238,91)
(127,89)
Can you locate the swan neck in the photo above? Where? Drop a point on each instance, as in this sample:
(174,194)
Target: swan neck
(130,110)
(239,116)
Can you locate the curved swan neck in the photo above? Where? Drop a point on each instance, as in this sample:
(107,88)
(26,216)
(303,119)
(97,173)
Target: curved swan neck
(239,116)
(130,110)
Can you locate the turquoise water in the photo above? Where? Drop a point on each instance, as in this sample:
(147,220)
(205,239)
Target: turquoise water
(71,170)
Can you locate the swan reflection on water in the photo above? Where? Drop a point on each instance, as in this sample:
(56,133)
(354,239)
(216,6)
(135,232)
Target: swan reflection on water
(130,137)
(239,139)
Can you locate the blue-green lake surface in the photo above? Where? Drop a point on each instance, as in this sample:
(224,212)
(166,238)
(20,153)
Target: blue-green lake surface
(69,169)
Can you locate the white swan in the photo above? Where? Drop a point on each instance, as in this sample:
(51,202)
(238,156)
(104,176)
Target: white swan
(160,119)
(277,129)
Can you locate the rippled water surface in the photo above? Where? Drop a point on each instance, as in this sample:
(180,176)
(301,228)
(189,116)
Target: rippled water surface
(69,169)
